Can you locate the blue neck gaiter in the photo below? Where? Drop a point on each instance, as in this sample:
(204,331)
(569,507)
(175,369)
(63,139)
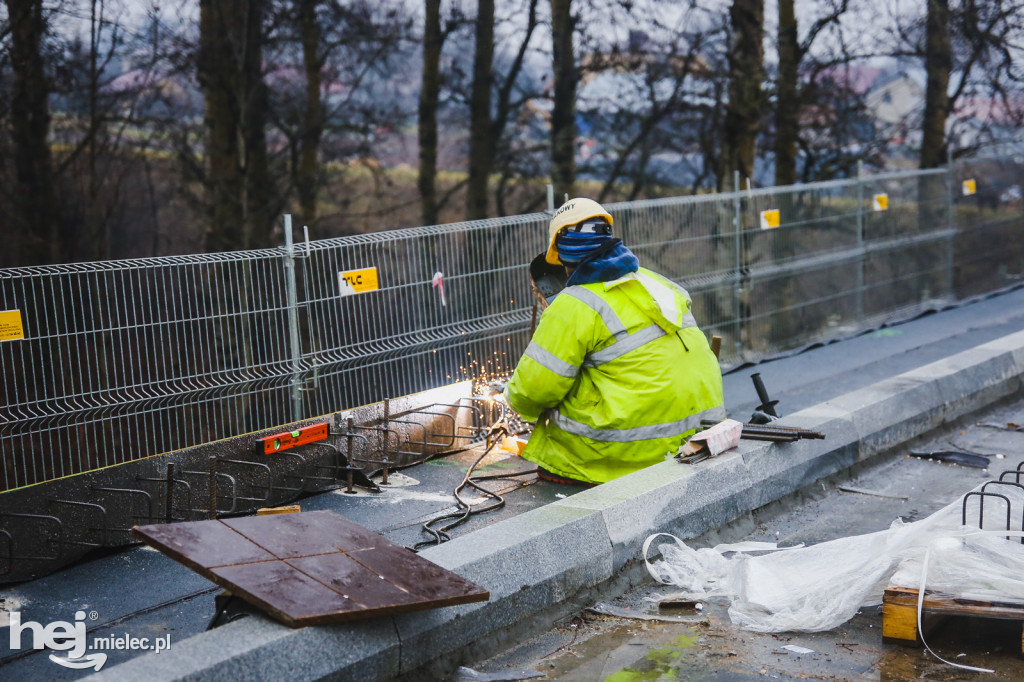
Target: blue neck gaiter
(597,258)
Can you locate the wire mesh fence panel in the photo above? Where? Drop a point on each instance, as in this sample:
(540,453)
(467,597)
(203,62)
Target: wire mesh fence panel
(800,259)
(988,211)
(124,360)
(693,241)
(451,303)
(907,240)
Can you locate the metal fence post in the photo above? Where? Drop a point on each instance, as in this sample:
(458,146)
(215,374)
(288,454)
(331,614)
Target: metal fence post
(738,292)
(950,225)
(293,319)
(860,241)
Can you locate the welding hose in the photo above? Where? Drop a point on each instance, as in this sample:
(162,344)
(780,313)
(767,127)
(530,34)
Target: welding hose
(440,535)
(465,510)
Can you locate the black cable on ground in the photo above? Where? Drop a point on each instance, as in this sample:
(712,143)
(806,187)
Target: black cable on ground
(466,510)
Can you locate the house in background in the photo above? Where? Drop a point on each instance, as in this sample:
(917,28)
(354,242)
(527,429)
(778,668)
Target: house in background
(896,102)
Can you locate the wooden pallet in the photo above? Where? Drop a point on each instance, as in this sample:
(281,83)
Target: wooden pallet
(899,613)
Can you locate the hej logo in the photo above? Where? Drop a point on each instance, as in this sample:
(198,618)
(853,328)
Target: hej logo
(59,636)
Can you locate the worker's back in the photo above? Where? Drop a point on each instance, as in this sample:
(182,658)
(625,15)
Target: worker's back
(617,375)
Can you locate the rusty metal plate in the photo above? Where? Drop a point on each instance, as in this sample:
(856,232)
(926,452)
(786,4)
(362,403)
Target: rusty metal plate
(310,568)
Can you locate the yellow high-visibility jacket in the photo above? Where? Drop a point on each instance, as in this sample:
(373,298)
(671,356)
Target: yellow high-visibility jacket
(616,376)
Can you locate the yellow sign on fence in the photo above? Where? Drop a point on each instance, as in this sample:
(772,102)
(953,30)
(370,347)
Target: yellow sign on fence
(357,281)
(10,325)
(881,202)
(970,187)
(770,219)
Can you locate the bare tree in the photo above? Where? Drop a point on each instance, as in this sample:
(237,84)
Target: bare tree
(746,72)
(640,96)
(506,96)
(972,56)
(32,234)
(938,62)
(306,173)
(236,169)
(787,109)
(430,88)
(792,94)
(563,113)
(334,82)
(481,142)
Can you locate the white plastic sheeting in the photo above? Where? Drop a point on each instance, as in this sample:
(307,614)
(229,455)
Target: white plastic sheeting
(820,587)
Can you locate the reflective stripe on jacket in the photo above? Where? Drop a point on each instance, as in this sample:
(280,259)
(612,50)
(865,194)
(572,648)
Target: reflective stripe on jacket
(616,376)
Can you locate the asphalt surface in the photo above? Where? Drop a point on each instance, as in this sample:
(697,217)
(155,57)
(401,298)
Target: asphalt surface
(139,592)
(822,371)
(590,646)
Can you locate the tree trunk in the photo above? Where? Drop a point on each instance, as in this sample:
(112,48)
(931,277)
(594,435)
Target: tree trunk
(563,114)
(788,105)
(937,64)
(230,75)
(32,233)
(746,71)
(307,177)
(259,195)
(481,143)
(429,94)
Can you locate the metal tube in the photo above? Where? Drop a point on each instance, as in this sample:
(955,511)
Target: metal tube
(293,319)
(951,223)
(738,271)
(861,258)
(212,461)
(169,494)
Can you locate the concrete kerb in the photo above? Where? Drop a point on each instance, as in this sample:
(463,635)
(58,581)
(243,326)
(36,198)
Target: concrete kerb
(546,556)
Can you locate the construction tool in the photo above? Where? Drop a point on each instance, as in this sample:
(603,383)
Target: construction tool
(778,434)
(546,280)
(767,405)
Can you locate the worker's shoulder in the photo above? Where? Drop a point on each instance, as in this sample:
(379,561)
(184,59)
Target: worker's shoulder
(582,294)
(577,299)
(668,281)
(655,275)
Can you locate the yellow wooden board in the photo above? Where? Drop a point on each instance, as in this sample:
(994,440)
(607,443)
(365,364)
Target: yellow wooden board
(899,613)
(881,202)
(970,187)
(357,281)
(10,325)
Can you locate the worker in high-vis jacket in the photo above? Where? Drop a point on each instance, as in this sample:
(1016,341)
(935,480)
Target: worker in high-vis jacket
(617,374)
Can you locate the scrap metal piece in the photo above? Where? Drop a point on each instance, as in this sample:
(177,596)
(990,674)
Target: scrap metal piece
(606,609)
(858,491)
(981,507)
(964,459)
(464,674)
(1008,484)
(767,432)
